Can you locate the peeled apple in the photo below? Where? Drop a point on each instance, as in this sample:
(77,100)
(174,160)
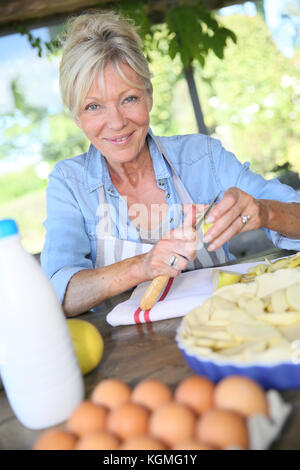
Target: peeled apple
(87,342)
(205,227)
(224,278)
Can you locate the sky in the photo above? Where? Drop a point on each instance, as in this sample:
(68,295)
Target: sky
(39,76)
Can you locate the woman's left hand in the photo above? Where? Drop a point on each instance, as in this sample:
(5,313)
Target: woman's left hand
(237,212)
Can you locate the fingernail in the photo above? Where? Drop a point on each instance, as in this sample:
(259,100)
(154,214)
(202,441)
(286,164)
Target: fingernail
(209,219)
(207,238)
(211,247)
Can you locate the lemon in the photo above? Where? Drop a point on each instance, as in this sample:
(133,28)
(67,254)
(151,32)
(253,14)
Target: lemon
(224,278)
(87,342)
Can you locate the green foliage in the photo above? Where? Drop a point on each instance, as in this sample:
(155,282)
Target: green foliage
(36,42)
(29,211)
(25,121)
(64,139)
(257,95)
(165,74)
(138,12)
(194,32)
(18,183)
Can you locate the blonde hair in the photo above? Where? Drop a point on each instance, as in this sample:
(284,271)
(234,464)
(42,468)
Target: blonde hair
(92,40)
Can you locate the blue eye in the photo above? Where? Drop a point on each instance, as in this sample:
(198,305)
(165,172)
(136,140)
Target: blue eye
(92,107)
(130,99)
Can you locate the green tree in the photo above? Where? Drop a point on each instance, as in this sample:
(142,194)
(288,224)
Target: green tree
(23,124)
(254,93)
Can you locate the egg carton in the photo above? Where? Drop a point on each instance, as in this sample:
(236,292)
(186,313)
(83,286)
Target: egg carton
(263,430)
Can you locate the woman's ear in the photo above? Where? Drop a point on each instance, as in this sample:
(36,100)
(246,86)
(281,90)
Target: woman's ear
(150,101)
(77,122)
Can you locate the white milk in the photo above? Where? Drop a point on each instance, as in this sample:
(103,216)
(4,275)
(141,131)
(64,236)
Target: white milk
(38,366)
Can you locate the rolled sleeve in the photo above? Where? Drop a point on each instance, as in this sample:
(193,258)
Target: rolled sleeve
(67,248)
(231,173)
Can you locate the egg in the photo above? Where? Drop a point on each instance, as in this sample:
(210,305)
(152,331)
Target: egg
(111,393)
(151,393)
(55,439)
(222,428)
(196,392)
(241,394)
(128,420)
(172,423)
(142,443)
(192,444)
(87,417)
(98,441)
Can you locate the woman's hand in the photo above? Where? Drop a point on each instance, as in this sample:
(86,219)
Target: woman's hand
(227,216)
(180,243)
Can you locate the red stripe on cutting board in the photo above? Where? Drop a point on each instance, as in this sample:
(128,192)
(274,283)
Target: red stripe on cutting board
(137,315)
(147,316)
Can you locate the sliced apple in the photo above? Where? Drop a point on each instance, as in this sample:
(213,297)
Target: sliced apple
(224,278)
(293,296)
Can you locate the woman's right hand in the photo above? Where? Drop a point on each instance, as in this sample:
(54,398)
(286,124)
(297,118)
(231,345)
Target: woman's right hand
(180,242)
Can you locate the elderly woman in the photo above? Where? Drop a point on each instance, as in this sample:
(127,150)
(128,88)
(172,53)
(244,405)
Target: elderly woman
(124,212)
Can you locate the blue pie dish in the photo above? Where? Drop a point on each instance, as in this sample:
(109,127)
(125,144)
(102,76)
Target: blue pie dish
(276,375)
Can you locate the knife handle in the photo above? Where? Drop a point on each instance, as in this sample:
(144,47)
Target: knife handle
(153,291)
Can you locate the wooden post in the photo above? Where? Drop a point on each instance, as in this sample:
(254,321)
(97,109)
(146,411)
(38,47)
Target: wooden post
(189,75)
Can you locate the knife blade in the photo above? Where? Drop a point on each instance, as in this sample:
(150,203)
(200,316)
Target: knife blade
(154,290)
(206,212)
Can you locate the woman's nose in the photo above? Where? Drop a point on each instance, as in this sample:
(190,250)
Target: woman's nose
(115,118)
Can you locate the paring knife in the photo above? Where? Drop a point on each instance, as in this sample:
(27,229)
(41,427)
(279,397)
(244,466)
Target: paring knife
(154,289)
(203,216)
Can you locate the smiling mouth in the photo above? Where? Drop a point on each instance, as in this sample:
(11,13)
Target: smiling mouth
(120,140)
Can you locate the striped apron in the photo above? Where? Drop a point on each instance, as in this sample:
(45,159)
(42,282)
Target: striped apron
(110,249)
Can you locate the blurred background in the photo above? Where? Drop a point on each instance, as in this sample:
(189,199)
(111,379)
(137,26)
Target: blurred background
(250,100)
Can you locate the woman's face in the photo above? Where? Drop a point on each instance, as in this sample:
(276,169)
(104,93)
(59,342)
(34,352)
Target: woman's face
(116,119)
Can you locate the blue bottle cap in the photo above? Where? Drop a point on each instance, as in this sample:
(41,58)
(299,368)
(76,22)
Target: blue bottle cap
(8,227)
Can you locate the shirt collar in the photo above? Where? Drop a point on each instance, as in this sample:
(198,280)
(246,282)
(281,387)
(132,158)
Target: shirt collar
(97,174)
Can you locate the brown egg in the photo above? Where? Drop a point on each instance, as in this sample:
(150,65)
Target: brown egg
(87,417)
(196,392)
(222,428)
(192,444)
(142,443)
(111,393)
(55,439)
(128,420)
(151,393)
(98,441)
(172,423)
(239,393)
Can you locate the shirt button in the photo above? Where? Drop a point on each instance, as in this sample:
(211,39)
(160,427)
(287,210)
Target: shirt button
(171,219)
(168,195)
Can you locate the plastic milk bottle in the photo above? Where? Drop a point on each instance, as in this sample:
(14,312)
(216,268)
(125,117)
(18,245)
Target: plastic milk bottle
(38,366)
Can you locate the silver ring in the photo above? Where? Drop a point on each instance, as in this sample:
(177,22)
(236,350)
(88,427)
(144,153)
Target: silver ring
(173,261)
(245,218)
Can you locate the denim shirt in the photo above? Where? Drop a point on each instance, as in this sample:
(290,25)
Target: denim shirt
(204,167)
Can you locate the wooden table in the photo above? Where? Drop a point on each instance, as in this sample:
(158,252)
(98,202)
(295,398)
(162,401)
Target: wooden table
(133,353)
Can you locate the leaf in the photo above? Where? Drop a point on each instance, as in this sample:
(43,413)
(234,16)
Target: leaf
(197,32)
